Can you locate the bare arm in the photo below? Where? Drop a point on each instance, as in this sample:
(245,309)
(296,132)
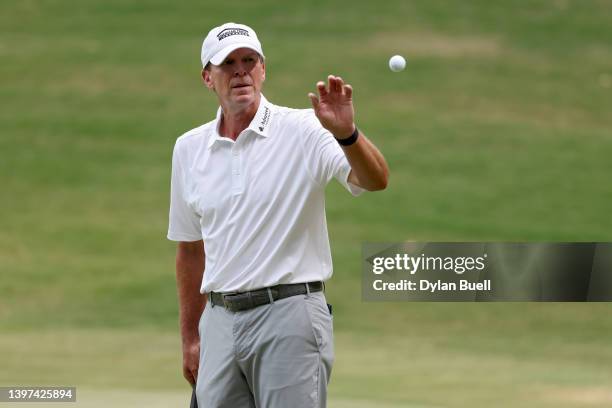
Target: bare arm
(189,274)
(334,109)
(368,166)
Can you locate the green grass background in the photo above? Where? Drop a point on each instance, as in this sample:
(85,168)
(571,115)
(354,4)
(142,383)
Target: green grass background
(499,129)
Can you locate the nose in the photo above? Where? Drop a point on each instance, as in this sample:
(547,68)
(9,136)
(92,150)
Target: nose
(240,69)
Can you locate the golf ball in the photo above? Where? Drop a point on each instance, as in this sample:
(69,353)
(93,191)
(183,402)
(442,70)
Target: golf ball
(397,63)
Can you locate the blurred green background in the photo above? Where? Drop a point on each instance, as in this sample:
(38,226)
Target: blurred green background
(499,129)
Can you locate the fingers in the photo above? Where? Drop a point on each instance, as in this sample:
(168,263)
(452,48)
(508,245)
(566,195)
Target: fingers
(321,88)
(189,375)
(332,84)
(348,91)
(191,362)
(314,101)
(335,85)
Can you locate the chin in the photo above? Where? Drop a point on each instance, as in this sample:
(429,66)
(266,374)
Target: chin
(246,98)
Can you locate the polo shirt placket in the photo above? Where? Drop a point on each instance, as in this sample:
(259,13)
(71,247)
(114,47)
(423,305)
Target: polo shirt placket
(237,177)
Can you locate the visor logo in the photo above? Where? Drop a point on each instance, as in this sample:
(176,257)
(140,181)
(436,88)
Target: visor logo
(232,31)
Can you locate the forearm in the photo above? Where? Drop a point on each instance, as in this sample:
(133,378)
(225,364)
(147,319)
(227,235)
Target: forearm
(369,168)
(189,274)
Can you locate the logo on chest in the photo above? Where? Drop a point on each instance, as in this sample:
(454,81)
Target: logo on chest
(265,119)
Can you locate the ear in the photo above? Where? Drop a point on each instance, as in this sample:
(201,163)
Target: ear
(263,66)
(206,77)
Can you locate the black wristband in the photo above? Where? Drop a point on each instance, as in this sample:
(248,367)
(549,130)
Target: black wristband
(349,140)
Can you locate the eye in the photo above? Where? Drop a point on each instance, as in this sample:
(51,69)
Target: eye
(228,61)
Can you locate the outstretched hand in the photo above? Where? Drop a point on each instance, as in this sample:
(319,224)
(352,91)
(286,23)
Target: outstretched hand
(334,106)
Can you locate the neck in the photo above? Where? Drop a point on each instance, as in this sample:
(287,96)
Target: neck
(235,119)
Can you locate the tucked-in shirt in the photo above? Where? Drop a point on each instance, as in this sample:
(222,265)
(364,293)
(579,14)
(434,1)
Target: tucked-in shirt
(257,202)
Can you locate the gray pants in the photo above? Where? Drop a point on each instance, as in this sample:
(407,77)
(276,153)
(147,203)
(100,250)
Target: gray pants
(278,355)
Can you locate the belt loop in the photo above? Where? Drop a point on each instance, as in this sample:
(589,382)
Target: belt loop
(307,289)
(270,296)
(210,297)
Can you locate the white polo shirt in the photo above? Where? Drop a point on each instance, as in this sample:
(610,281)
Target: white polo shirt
(258,203)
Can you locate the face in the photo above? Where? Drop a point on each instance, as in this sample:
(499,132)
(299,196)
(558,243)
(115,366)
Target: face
(237,81)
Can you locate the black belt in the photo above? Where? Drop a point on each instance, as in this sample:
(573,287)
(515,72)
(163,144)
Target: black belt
(236,302)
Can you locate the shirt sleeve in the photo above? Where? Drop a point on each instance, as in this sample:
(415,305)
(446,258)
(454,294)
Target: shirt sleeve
(324,156)
(184,222)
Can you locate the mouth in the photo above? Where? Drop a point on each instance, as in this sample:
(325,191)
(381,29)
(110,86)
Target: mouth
(240,86)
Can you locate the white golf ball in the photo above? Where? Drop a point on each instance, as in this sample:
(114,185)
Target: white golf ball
(397,63)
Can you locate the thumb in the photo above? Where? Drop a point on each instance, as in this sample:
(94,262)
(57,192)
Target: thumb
(315,101)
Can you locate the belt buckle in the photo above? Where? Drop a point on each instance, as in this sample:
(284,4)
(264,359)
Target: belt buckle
(225,303)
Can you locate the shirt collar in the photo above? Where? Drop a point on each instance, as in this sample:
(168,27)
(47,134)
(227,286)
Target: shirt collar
(260,123)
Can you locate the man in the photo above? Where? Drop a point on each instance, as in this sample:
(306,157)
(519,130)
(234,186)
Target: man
(248,197)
